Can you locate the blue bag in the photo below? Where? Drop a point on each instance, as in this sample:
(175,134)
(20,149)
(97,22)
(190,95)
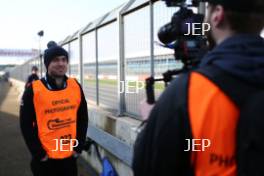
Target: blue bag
(108,169)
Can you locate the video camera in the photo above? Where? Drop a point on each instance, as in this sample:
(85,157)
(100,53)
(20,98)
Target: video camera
(189,45)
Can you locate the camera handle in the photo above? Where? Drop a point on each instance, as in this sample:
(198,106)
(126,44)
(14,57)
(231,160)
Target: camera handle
(150,81)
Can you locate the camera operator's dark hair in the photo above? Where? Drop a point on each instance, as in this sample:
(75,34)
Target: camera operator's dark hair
(244,22)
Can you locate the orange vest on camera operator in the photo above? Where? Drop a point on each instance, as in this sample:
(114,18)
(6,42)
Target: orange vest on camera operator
(212,116)
(56,115)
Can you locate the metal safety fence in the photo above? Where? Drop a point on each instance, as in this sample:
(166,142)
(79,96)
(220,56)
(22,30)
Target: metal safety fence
(112,55)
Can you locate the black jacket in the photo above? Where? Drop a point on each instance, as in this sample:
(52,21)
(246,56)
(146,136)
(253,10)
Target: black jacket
(155,154)
(28,117)
(30,79)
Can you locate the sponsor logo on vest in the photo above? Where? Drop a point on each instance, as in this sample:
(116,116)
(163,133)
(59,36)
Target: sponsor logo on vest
(55,124)
(222,160)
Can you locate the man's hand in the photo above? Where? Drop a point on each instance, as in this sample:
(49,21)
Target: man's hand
(145,109)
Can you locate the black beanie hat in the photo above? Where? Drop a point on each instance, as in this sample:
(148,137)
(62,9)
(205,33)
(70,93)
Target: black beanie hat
(53,51)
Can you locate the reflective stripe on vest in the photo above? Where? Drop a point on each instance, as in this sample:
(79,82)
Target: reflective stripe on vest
(213,116)
(56,114)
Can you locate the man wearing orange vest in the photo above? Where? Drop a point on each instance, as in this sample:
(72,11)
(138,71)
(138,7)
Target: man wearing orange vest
(54,118)
(197,136)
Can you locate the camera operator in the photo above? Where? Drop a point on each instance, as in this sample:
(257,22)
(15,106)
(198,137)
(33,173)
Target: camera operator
(238,51)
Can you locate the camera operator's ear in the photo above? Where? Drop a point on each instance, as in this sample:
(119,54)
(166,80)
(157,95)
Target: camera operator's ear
(217,16)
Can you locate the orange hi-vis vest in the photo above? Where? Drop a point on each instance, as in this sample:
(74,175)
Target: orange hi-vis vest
(56,115)
(213,116)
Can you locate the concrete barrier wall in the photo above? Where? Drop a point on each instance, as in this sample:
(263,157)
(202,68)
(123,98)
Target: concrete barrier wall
(123,128)
(19,86)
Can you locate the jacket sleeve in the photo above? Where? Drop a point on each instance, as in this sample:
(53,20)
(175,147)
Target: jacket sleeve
(29,126)
(159,148)
(28,81)
(82,123)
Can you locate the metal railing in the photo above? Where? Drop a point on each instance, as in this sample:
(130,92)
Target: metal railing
(112,51)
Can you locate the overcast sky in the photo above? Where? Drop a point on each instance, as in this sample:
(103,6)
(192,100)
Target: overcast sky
(22,19)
